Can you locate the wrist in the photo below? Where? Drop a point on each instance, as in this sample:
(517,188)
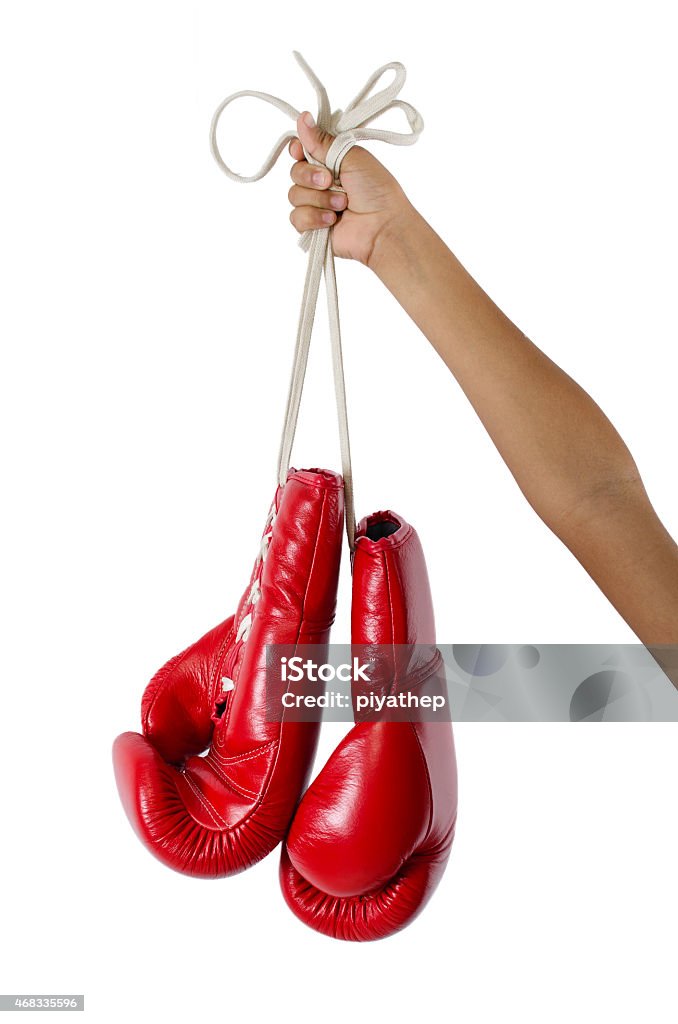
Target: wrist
(393,237)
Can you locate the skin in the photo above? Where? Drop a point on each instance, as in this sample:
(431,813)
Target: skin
(565,455)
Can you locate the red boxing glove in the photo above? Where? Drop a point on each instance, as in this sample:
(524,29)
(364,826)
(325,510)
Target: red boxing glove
(218,814)
(372,835)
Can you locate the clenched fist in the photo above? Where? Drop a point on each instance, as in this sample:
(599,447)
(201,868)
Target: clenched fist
(371,200)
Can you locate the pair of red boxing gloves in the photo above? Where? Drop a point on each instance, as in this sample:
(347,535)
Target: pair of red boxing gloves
(365,845)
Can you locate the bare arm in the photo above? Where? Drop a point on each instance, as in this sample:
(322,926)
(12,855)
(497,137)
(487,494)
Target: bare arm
(567,458)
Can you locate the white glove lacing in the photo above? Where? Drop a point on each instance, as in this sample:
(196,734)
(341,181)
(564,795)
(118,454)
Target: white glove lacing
(349,128)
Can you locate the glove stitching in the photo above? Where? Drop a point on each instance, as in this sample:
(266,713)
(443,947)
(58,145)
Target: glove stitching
(238,790)
(247,756)
(211,810)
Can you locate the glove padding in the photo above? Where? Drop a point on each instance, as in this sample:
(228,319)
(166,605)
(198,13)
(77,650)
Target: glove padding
(372,835)
(217,814)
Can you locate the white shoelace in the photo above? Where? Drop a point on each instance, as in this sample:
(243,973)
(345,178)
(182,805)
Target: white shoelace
(349,128)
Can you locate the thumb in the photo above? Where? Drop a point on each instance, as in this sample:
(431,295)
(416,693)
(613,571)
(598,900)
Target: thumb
(314,140)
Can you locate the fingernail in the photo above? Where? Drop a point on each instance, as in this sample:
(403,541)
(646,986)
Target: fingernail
(337,201)
(321,178)
(308,119)
(328,218)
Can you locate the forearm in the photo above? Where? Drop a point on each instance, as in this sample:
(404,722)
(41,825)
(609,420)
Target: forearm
(528,405)
(565,455)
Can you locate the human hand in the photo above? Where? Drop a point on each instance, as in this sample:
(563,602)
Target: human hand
(371,203)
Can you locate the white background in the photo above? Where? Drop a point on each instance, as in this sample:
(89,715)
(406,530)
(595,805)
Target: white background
(148,316)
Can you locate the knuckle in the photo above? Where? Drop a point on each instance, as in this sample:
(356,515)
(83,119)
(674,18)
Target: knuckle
(311,169)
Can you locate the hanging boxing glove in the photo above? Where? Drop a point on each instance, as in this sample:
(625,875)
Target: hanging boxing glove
(371,837)
(217,814)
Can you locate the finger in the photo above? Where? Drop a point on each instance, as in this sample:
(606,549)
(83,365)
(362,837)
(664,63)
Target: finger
(296,150)
(314,140)
(307,218)
(322,199)
(310,176)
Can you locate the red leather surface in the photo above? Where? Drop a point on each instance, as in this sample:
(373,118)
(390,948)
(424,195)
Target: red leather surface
(372,835)
(216,814)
